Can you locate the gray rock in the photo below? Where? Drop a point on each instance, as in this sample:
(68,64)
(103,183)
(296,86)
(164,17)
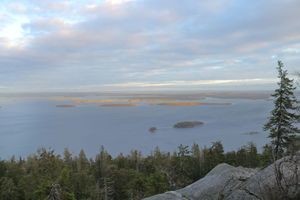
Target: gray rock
(232,183)
(216,184)
(167,196)
(263,184)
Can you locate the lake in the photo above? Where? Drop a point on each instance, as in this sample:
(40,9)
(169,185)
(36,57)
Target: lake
(27,124)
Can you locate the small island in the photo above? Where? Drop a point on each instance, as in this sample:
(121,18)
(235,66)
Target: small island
(152,129)
(188,124)
(119,105)
(192,104)
(182,104)
(252,133)
(65,106)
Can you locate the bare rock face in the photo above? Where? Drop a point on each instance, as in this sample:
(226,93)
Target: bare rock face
(280,180)
(167,196)
(233,183)
(217,183)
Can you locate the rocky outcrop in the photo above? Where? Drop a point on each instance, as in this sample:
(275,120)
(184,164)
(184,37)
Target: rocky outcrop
(282,177)
(231,183)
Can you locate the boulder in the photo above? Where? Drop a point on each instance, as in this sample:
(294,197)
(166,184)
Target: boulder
(264,185)
(221,180)
(233,183)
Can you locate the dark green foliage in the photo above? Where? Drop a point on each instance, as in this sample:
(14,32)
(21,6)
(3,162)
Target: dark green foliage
(66,185)
(46,175)
(8,189)
(281,124)
(2,168)
(156,183)
(247,156)
(55,193)
(266,157)
(213,156)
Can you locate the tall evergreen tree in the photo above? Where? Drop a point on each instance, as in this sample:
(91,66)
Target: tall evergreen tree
(281,124)
(54,192)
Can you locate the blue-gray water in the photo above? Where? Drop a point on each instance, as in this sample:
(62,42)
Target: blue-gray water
(27,124)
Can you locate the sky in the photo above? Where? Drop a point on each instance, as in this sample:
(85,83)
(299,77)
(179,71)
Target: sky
(106,45)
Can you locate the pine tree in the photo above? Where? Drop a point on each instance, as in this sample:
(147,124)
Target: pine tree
(281,124)
(54,192)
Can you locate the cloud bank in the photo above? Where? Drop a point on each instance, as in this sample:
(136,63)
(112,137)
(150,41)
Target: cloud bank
(67,45)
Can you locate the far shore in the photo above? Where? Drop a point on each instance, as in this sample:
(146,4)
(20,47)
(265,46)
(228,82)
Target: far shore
(125,102)
(78,100)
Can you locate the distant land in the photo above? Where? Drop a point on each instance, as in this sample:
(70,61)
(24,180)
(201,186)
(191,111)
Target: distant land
(130,99)
(123,99)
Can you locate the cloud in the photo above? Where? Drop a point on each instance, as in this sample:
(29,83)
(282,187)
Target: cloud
(194,83)
(117,2)
(84,43)
(18,7)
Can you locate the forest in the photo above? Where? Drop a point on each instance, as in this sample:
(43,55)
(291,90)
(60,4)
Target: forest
(132,176)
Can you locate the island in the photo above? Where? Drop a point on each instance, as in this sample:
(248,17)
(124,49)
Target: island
(65,106)
(192,104)
(152,129)
(188,124)
(119,105)
(182,104)
(252,133)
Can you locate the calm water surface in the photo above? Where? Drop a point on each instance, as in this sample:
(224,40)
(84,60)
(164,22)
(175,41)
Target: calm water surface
(27,124)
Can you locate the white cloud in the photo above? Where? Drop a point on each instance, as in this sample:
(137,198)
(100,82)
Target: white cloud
(18,7)
(193,83)
(12,31)
(146,43)
(117,2)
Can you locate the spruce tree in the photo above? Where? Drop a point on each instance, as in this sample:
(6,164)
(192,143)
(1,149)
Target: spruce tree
(282,122)
(54,192)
